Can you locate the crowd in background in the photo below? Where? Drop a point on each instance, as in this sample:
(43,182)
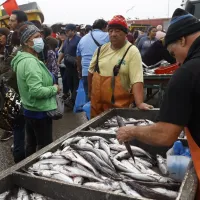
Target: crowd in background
(107,56)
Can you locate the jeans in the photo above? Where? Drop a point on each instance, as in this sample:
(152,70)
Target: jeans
(71,75)
(85,85)
(64,80)
(38,134)
(19,140)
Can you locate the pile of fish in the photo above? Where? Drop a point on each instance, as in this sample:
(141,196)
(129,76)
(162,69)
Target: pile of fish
(111,125)
(21,194)
(104,164)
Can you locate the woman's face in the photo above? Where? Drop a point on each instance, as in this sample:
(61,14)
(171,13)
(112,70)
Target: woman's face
(30,40)
(63,37)
(153,33)
(2,40)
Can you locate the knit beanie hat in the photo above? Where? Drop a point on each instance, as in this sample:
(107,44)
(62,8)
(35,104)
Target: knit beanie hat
(182,24)
(118,22)
(28,32)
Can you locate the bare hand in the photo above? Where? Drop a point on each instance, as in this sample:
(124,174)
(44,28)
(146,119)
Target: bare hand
(79,74)
(144,106)
(58,88)
(125,134)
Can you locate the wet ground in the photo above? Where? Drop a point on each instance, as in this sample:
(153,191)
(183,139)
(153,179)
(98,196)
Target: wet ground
(61,127)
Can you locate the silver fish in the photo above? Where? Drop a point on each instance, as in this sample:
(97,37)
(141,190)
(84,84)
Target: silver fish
(145,169)
(136,150)
(168,193)
(140,176)
(97,138)
(90,142)
(122,155)
(120,166)
(62,161)
(162,165)
(4,195)
(67,148)
(75,157)
(35,196)
(86,148)
(145,191)
(70,141)
(114,141)
(81,167)
(96,145)
(99,186)
(78,172)
(55,175)
(118,192)
(130,166)
(82,141)
(106,158)
(78,180)
(104,146)
(39,166)
(144,162)
(100,161)
(104,170)
(129,191)
(22,194)
(46,155)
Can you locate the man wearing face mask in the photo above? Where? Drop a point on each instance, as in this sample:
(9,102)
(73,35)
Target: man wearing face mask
(36,89)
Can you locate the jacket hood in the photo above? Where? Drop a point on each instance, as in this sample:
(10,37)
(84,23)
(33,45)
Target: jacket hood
(19,57)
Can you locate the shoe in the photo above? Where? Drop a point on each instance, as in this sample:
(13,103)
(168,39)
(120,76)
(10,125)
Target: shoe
(6,135)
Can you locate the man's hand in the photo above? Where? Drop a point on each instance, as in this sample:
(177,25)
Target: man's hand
(144,106)
(79,73)
(125,134)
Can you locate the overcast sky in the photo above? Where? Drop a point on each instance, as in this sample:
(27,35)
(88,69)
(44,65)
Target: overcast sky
(86,11)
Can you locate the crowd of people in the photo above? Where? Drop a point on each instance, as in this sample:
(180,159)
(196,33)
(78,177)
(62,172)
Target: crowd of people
(107,56)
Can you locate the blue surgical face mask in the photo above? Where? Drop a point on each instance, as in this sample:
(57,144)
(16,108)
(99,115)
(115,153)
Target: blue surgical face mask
(38,44)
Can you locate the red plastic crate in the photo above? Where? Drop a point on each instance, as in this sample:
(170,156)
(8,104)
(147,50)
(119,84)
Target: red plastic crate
(167,70)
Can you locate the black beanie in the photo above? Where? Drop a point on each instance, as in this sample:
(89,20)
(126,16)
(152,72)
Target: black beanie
(181,24)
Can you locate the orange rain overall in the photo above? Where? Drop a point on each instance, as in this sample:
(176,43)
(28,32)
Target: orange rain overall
(107,91)
(195,152)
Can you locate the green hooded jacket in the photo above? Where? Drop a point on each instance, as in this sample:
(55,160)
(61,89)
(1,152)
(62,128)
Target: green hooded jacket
(34,82)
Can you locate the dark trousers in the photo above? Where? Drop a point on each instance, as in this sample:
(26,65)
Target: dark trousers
(38,134)
(64,80)
(85,85)
(19,139)
(71,75)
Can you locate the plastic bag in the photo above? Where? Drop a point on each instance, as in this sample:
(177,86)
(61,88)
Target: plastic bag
(87,108)
(80,98)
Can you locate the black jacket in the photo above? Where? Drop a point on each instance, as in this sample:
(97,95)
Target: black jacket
(156,53)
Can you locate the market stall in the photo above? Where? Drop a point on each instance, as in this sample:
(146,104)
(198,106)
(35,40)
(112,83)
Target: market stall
(56,189)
